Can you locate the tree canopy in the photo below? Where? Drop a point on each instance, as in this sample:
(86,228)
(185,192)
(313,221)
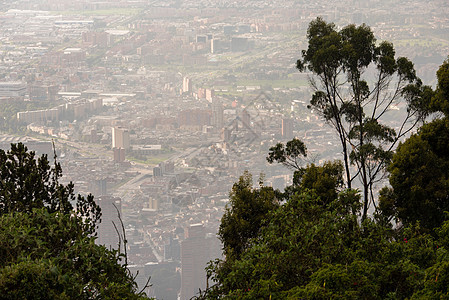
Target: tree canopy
(288,155)
(244,216)
(47,248)
(318,242)
(27,182)
(419,173)
(307,250)
(354,104)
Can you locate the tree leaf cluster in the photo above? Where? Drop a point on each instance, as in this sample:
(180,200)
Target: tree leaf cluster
(356,82)
(27,182)
(47,237)
(317,242)
(419,172)
(49,256)
(245,215)
(307,250)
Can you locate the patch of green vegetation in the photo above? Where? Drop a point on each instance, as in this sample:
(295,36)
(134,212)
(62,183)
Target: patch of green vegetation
(428,42)
(151,159)
(229,93)
(281,83)
(135,159)
(154,160)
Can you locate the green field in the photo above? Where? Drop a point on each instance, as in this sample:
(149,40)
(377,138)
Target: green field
(428,42)
(151,159)
(281,83)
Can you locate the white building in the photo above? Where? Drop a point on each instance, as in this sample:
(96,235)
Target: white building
(120,137)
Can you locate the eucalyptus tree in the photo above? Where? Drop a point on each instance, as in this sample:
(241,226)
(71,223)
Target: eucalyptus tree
(419,172)
(355,103)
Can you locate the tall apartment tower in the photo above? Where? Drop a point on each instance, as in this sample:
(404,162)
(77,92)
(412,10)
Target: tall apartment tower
(120,138)
(107,235)
(194,258)
(119,155)
(217,114)
(287,129)
(246,120)
(186,85)
(213,46)
(210,94)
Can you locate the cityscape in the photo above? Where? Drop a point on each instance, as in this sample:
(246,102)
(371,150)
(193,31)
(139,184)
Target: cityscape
(158,107)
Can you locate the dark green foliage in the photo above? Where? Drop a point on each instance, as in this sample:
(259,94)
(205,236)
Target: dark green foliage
(420,168)
(27,183)
(30,279)
(47,249)
(244,215)
(314,245)
(288,155)
(51,254)
(420,176)
(440,102)
(326,180)
(343,97)
(306,250)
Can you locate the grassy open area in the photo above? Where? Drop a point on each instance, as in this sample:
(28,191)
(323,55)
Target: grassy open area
(428,42)
(154,160)
(151,159)
(281,83)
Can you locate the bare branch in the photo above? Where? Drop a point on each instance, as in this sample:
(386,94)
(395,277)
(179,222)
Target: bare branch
(125,242)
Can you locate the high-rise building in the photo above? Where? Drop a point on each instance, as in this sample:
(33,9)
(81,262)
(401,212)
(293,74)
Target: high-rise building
(226,134)
(194,257)
(217,114)
(110,208)
(157,172)
(43,92)
(210,95)
(214,46)
(201,93)
(246,120)
(120,138)
(98,187)
(287,129)
(194,118)
(153,203)
(119,155)
(172,251)
(186,85)
(201,38)
(239,44)
(228,29)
